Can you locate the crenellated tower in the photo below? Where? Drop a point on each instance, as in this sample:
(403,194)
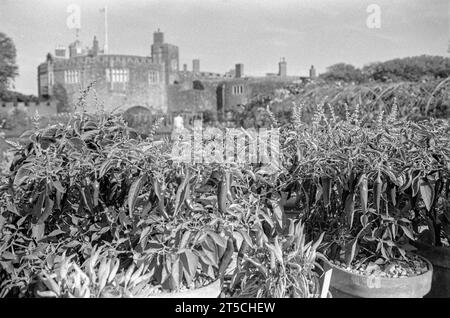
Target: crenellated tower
(167,54)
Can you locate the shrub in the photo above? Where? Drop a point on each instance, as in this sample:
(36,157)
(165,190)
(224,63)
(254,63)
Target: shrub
(93,181)
(282,269)
(367,186)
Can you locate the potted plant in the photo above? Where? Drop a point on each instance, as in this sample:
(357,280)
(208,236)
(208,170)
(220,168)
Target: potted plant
(282,267)
(101,276)
(353,187)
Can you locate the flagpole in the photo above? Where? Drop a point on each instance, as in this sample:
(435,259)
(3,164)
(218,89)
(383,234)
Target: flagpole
(105,49)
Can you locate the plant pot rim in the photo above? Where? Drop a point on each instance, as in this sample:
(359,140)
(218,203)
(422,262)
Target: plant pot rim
(429,265)
(211,290)
(375,286)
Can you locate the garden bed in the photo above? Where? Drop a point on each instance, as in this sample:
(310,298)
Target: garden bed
(127,216)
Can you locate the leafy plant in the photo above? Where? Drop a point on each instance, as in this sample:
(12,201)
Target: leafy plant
(93,181)
(366,185)
(99,277)
(284,267)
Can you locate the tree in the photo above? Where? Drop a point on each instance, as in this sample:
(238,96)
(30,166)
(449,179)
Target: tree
(343,72)
(8,67)
(11,96)
(412,68)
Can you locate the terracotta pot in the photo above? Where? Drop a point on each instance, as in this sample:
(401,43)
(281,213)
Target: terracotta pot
(210,291)
(345,284)
(440,258)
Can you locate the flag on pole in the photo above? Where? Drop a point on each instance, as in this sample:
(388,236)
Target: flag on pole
(105,48)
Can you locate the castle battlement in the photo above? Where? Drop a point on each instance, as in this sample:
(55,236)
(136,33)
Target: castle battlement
(106,59)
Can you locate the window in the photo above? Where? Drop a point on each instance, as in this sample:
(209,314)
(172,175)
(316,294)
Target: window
(238,90)
(153,77)
(117,75)
(174,65)
(197,85)
(118,78)
(44,79)
(71,77)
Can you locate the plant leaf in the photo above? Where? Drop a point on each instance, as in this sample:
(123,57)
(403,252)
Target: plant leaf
(181,192)
(246,237)
(57,184)
(77,143)
(363,192)
(47,210)
(426,191)
(407,232)
(278,212)
(134,192)
(350,250)
(350,208)
(22,174)
(37,231)
(55,233)
(104,168)
(415,185)
(190,264)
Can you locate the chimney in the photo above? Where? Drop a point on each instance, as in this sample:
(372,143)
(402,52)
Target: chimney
(95,47)
(196,66)
(239,70)
(312,72)
(73,49)
(158,37)
(60,52)
(282,68)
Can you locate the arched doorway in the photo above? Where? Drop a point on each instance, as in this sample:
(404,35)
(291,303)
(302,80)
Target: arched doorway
(137,116)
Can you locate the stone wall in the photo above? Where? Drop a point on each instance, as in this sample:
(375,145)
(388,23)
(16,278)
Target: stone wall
(44,108)
(183,98)
(194,92)
(240,91)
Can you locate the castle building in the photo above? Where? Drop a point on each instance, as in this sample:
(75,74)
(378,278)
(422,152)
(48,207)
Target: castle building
(166,54)
(239,90)
(121,81)
(154,83)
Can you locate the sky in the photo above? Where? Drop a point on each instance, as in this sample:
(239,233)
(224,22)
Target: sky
(221,33)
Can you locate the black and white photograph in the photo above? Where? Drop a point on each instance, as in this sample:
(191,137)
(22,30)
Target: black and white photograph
(217,156)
